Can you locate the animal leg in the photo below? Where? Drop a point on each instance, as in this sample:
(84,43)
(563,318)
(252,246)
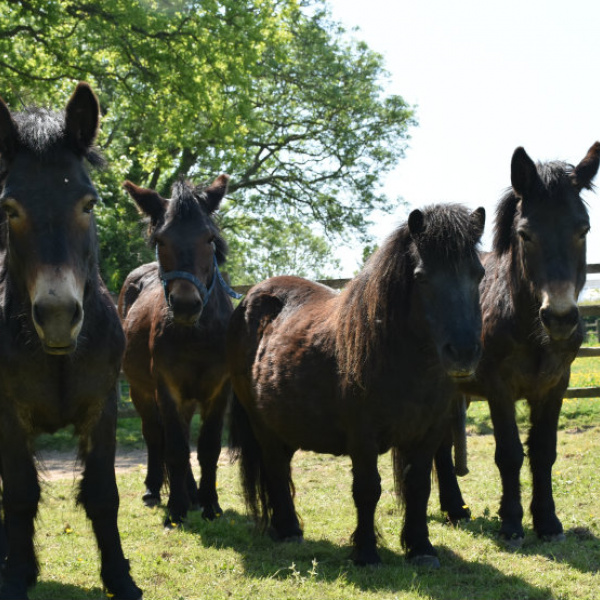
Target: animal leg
(542,455)
(190,483)
(100,498)
(152,431)
(20,500)
(366,491)
(451,500)
(415,485)
(284,523)
(177,457)
(509,459)
(209,450)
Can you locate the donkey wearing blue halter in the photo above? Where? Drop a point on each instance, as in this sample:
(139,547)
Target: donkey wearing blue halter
(202,289)
(175,314)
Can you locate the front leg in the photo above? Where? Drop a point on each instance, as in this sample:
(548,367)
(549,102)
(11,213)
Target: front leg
(542,455)
(21,494)
(177,455)
(412,473)
(366,491)
(509,459)
(100,498)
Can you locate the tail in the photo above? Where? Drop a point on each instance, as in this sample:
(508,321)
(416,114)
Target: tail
(245,447)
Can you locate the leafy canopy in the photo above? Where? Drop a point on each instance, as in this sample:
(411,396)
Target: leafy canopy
(270,91)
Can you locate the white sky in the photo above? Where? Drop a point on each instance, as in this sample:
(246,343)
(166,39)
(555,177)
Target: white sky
(486,77)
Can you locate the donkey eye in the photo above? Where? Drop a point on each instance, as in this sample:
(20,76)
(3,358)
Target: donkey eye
(10,210)
(420,275)
(88,207)
(583,233)
(524,235)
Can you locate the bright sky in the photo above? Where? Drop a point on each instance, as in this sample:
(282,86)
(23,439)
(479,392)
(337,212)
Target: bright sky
(486,77)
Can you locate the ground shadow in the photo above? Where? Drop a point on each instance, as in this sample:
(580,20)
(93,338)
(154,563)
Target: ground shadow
(54,589)
(329,562)
(580,549)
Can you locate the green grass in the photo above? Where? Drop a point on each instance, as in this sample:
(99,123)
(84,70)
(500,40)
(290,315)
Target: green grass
(228,559)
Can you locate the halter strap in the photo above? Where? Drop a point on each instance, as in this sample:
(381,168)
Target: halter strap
(204,291)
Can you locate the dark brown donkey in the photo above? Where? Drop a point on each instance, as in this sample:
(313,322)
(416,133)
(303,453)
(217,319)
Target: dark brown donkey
(532,331)
(61,341)
(175,313)
(358,373)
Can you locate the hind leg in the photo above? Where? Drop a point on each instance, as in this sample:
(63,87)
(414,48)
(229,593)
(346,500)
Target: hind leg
(21,494)
(209,450)
(284,525)
(100,498)
(542,455)
(451,500)
(152,430)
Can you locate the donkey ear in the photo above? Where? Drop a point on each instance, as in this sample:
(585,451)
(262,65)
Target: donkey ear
(478,222)
(523,173)
(416,222)
(216,192)
(82,118)
(586,170)
(151,203)
(9,138)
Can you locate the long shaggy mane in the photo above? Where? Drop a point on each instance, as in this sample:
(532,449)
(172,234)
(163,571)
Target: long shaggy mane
(375,305)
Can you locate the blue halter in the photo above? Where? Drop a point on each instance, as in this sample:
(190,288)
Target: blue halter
(204,291)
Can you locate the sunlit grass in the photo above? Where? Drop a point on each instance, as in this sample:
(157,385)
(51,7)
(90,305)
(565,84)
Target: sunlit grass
(228,559)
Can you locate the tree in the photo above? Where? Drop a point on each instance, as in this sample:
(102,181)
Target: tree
(270,91)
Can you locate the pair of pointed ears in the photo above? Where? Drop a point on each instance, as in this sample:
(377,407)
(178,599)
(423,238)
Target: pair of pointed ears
(417,225)
(152,204)
(525,179)
(82,119)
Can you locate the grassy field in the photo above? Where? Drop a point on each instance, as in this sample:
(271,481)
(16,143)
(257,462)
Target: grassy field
(228,559)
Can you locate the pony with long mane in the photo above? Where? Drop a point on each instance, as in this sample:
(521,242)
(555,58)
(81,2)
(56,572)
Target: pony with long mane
(175,313)
(532,331)
(61,341)
(358,373)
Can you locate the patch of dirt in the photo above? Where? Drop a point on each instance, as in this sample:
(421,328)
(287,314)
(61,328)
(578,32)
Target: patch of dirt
(54,465)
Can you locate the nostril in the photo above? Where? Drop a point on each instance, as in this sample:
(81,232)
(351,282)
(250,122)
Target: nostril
(37,314)
(77,315)
(572,316)
(545,315)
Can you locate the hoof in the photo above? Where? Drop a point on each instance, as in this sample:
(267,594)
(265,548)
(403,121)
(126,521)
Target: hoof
(173,524)
(460,516)
(425,561)
(514,542)
(295,538)
(363,558)
(554,537)
(211,512)
(151,499)
(133,593)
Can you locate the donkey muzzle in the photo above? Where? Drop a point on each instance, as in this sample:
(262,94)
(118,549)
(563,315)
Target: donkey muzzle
(57,310)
